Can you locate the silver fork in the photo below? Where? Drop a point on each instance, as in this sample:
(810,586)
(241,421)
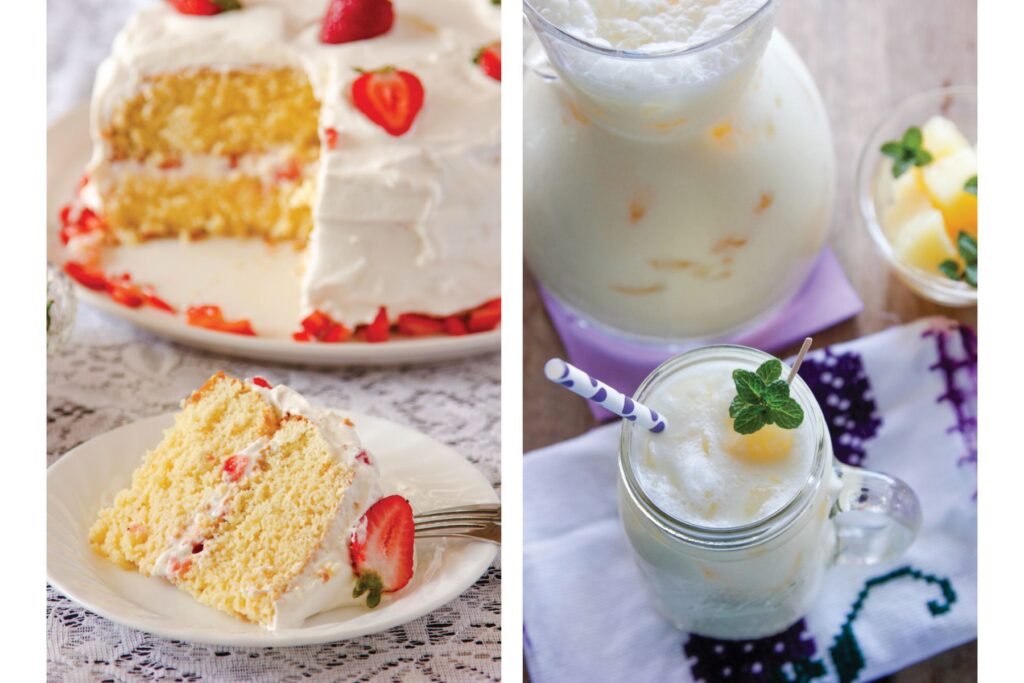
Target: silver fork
(481,522)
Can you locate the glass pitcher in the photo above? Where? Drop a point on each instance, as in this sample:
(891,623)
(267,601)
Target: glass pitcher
(679,195)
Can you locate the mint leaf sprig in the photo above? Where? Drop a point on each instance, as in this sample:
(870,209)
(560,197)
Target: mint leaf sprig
(907,152)
(971,186)
(968,248)
(762,398)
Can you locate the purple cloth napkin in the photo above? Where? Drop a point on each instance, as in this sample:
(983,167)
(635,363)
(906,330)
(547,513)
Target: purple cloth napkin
(825,299)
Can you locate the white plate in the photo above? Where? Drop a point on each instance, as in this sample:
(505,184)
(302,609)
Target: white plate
(430,474)
(165,264)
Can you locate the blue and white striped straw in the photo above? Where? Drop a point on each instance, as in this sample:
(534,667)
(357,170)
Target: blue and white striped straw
(582,384)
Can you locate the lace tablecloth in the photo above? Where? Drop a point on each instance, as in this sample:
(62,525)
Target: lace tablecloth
(111,374)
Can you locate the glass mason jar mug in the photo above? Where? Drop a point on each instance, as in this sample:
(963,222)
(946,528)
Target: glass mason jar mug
(755,580)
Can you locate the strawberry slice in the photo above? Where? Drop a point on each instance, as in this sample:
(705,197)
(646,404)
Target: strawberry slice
(212,318)
(260,382)
(381,549)
(350,20)
(380,329)
(302,336)
(205,7)
(488,58)
(126,294)
(316,323)
(455,326)
(336,332)
(156,302)
(389,97)
(93,278)
(415,325)
(486,317)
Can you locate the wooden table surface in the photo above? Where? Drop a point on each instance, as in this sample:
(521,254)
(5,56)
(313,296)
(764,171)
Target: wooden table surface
(866,56)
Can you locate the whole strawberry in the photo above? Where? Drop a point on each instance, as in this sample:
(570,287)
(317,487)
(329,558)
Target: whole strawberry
(381,549)
(349,20)
(389,97)
(205,7)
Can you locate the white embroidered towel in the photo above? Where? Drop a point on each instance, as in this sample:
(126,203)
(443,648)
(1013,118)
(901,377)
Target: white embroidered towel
(902,402)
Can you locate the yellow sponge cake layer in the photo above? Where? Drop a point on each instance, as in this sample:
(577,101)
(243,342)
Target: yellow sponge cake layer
(221,418)
(278,516)
(147,206)
(224,113)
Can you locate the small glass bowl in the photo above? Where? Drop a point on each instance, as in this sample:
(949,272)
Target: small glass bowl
(959,104)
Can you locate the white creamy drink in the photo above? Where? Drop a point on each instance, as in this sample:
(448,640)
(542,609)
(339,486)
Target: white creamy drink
(678,164)
(733,532)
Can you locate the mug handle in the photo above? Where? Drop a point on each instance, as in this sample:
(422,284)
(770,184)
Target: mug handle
(876,516)
(534,56)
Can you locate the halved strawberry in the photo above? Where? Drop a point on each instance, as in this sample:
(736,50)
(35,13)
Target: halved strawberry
(389,97)
(380,329)
(416,325)
(381,549)
(349,20)
(93,278)
(205,7)
(485,317)
(488,58)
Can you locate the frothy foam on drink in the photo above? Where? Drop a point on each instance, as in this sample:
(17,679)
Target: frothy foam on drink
(699,470)
(646,25)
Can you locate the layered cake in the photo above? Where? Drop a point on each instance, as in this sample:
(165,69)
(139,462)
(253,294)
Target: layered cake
(364,132)
(262,506)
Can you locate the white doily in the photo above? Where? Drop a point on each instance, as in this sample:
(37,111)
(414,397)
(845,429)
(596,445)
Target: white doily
(111,374)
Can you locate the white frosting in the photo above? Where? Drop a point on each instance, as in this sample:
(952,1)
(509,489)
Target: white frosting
(691,470)
(309,593)
(412,222)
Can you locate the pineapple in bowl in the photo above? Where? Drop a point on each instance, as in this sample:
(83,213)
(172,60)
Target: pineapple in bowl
(919,195)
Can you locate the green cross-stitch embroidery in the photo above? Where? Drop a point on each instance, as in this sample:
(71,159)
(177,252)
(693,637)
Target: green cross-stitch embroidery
(846,654)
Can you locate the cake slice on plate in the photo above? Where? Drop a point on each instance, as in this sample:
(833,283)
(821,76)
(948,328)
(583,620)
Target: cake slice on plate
(262,506)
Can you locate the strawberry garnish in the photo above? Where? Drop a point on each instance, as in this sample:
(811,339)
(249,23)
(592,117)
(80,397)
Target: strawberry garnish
(212,318)
(486,317)
(380,329)
(156,302)
(488,58)
(205,7)
(381,549)
(93,278)
(415,325)
(321,327)
(260,382)
(234,467)
(349,20)
(126,294)
(331,138)
(389,97)
(455,326)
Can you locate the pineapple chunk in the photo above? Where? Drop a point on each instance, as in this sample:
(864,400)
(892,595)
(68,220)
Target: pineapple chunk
(923,242)
(944,182)
(767,445)
(942,138)
(909,199)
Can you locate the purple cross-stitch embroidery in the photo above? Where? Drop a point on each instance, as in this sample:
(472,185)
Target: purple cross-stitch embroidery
(957,349)
(840,384)
(787,656)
